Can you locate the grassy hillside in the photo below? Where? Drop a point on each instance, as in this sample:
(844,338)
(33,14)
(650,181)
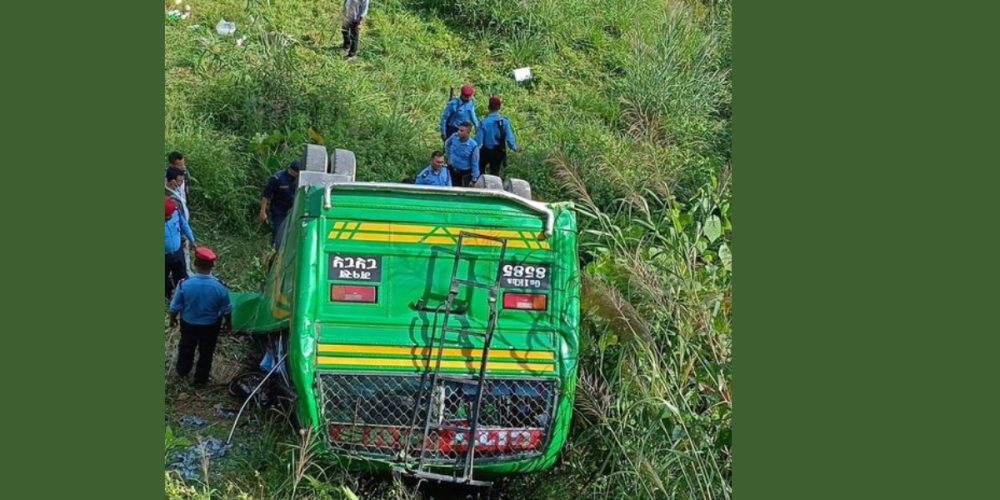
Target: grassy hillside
(628,115)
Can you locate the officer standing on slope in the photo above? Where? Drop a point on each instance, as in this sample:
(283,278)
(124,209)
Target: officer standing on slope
(463,156)
(175,230)
(279,196)
(494,134)
(202,303)
(458,111)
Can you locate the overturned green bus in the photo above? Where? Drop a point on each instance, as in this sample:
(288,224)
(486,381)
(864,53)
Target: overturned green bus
(429,330)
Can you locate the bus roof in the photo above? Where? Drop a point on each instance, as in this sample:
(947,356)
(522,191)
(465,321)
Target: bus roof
(330,183)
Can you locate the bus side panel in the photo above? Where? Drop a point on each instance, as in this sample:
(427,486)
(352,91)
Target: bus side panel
(568,330)
(302,340)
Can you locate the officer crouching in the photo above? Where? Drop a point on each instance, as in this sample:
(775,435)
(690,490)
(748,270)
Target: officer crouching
(202,301)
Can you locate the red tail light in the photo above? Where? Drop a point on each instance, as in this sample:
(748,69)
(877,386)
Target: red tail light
(530,302)
(346,293)
(488,441)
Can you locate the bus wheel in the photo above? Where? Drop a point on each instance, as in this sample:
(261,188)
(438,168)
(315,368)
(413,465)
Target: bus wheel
(343,162)
(519,187)
(487,181)
(315,158)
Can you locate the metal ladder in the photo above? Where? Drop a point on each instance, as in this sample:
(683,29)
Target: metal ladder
(434,374)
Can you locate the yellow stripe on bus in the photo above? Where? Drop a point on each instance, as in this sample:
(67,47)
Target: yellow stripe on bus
(496,233)
(425,351)
(411,233)
(413,238)
(391,238)
(423,364)
(395,228)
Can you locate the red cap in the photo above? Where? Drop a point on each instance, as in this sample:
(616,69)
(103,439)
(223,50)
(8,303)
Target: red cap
(495,101)
(204,253)
(169,206)
(468,90)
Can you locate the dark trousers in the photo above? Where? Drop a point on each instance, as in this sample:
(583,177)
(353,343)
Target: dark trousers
(449,131)
(176,271)
(202,338)
(350,31)
(491,160)
(279,225)
(460,178)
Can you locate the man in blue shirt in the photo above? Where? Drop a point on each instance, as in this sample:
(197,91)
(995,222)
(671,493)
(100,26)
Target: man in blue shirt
(202,302)
(174,227)
(458,111)
(279,196)
(463,156)
(435,174)
(494,134)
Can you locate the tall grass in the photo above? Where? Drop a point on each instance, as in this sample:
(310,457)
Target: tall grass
(654,404)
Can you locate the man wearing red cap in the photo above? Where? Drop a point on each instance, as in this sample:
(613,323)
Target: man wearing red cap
(175,227)
(495,134)
(459,110)
(202,302)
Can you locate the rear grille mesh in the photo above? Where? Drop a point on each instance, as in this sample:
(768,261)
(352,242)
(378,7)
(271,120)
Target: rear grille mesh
(374,416)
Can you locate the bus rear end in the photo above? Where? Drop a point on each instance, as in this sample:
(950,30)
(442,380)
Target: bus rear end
(394,380)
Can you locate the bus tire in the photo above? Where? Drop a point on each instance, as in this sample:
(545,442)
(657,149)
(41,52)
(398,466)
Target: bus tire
(519,187)
(343,162)
(315,158)
(487,181)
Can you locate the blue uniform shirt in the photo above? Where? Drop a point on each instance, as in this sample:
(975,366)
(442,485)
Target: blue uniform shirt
(201,299)
(280,190)
(488,132)
(172,229)
(463,155)
(457,112)
(427,177)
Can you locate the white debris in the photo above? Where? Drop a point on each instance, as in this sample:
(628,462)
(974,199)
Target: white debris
(225,28)
(522,74)
(179,13)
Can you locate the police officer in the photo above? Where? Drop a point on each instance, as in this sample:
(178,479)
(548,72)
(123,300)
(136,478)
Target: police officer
(459,110)
(435,174)
(202,302)
(463,156)
(494,134)
(279,195)
(175,227)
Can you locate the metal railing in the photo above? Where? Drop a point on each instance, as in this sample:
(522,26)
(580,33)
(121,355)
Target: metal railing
(372,416)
